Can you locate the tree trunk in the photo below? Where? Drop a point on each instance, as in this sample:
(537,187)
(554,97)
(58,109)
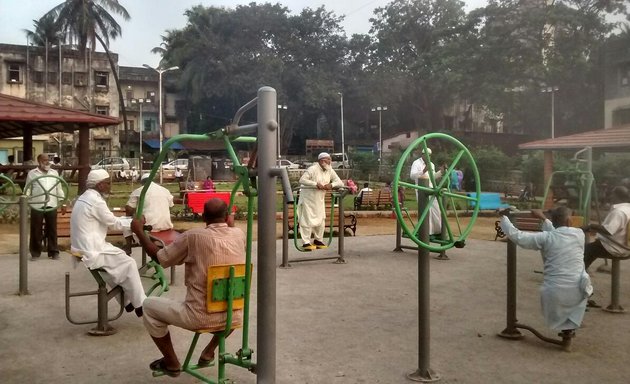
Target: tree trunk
(120,95)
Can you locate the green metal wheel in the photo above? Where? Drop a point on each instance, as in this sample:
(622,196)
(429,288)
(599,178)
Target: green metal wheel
(449,201)
(58,188)
(8,192)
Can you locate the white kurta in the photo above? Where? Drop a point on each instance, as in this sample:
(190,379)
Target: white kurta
(157,202)
(616,223)
(39,198)
(89,222)
(311,205)
(566,285)
(435,216)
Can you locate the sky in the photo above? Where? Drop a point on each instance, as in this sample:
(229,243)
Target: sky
(150,18)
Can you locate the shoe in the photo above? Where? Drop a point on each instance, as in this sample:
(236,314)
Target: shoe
(592,304)
(34,258)
(53,256)
(319,244)
(129,307)
(139,312)
(202,363)
(307,247)
(158,365)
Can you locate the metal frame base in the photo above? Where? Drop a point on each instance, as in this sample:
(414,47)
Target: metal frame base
(614,309)
(429,376)
(109,330)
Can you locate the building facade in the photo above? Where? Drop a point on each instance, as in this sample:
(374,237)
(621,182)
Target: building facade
(617,84)
(64,77)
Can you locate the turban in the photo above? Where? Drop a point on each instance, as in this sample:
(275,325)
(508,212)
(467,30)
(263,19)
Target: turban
(323,155)
(144,176)
(96,176)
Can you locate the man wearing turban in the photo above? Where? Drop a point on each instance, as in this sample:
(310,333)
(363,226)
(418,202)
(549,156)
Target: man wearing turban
(89,223)
(317,179)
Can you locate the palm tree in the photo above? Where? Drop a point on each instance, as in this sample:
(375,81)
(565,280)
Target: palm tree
(85,22)
(46,32)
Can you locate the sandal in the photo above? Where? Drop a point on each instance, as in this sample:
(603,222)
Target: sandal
(158,366)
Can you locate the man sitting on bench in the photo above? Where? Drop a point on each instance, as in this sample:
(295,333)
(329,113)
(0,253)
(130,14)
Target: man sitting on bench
(89,222)
(157,214)
(199,248)
(566,285)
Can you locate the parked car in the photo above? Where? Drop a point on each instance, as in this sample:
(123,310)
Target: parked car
(179,163)
(113,164)
(340,161)
(287,164)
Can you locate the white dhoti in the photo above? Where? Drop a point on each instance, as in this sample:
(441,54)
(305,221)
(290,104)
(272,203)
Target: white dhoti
(122,270)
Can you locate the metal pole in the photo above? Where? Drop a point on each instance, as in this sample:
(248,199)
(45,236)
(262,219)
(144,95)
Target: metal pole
(552,112)
(278,135)
(341,229)
(140,128)
(424,373)
(510,331)
(160,117)
(24,233)
(343,140)
(380,140)
(266,335)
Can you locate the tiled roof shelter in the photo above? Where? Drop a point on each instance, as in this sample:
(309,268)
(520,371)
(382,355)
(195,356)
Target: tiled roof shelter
(20,117)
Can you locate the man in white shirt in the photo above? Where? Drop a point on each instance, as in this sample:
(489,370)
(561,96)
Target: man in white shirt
(179,175)
(615,223)
(45,194)
(318,178)
(156,209)
(420,170)
(566,285)
(89,222)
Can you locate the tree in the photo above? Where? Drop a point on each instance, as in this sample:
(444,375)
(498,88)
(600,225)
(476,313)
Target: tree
(85,22)
(46,32)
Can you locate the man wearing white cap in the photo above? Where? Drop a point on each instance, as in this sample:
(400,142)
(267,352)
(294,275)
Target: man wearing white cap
(317,179)
(420,170)
(88,228)
(157,214)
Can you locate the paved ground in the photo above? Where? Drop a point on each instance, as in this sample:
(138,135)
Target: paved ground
(352,323)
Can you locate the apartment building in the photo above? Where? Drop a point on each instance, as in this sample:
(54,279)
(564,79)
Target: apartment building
(64,77)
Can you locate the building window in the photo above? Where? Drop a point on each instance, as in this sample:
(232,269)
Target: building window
(80,79)
(66,78)
(102,110)
(14,73)
(101,79)
(129,95)
(148,125)
(38,77)
(151,96)
(130,124)
(52,77)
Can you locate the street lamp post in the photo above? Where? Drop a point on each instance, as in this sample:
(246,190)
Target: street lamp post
(380,109)
(343,143)
(161,128)
(551,90)
(280,107)
(140,102)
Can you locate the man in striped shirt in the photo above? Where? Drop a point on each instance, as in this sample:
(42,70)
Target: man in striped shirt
(199,248)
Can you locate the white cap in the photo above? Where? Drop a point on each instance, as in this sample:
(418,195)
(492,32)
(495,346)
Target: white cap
(323,155)
(428,151)
(144,176)
(96,176)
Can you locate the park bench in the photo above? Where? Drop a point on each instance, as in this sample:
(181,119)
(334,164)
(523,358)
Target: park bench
(63,222)
(350,220)
(523,222)
(381,199)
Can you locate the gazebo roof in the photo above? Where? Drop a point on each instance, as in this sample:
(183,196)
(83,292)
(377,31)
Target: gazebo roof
(613,138)
(17,114)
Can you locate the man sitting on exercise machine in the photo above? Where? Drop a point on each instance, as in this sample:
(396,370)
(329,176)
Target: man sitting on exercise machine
(199,248)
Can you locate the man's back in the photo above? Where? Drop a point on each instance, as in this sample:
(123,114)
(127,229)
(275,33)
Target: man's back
(616,222)
(198,249)
(156,210)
